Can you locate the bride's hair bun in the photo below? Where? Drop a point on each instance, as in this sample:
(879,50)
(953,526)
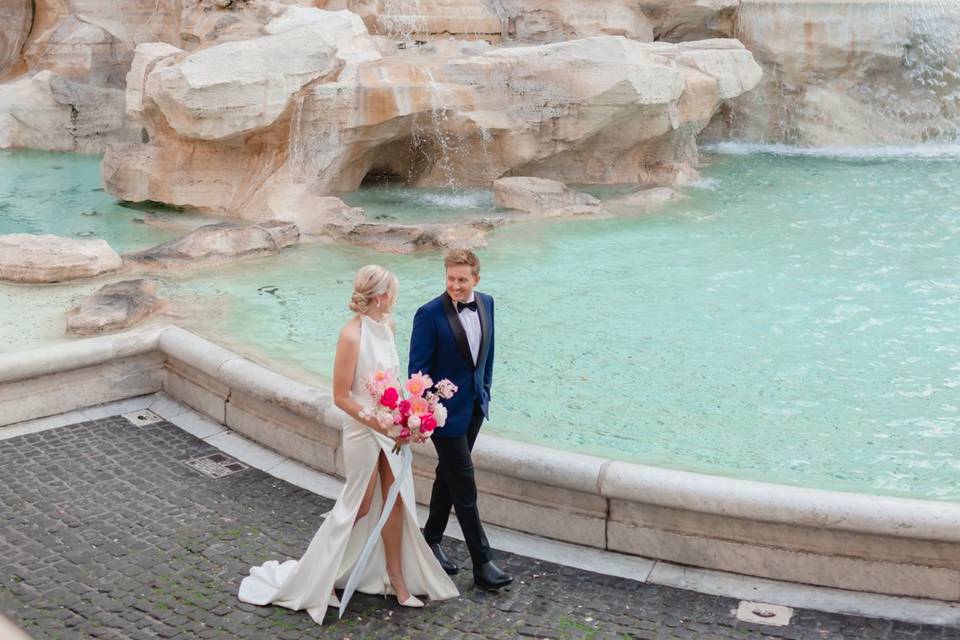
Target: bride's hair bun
(371,281)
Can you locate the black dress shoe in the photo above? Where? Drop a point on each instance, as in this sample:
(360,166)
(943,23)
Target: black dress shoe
(489,576)
(445,563)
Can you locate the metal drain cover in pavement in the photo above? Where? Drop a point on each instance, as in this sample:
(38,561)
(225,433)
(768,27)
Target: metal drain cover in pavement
(217,465)
(763,613)
(142,418)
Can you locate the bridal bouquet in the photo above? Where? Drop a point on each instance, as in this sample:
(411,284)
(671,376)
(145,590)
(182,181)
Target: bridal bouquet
(408,409)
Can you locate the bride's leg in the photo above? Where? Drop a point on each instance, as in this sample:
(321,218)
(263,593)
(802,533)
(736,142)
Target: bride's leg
(367,496)
(393,533)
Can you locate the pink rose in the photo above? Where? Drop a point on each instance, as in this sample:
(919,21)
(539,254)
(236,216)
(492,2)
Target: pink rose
(427,423)
(389,398)
(404,407)
(404,432)
(418,384)
(419,406)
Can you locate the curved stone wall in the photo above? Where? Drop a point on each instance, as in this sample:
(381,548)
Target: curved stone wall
(850,541)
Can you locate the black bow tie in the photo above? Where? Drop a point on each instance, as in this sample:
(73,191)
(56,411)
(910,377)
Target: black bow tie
(466,305)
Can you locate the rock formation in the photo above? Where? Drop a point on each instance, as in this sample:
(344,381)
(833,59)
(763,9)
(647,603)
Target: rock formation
(687,20)
(216,244)
(559,20)
(114,307)
(538,195)
(16,16)
(597,110)
(837,72)
(642,201)
(401,238)
(421,20)
(850,73)
(47,111)
(47,258)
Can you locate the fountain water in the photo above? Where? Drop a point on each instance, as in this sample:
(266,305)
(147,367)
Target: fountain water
(851,73)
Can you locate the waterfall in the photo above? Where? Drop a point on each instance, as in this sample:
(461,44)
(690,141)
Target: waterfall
(851,73)
(438,122)
(401,20)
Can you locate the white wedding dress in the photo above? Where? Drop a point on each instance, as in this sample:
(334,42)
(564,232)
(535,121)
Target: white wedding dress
(336,547)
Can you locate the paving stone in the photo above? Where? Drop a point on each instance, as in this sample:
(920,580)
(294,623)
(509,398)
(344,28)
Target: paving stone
(106,532)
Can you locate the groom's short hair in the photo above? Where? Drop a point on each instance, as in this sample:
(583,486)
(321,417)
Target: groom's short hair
(463,256)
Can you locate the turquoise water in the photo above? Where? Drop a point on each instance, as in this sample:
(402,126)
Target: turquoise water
(61,194)
(795,319)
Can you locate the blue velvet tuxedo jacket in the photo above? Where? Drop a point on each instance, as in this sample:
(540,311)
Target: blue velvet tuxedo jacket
(439,348)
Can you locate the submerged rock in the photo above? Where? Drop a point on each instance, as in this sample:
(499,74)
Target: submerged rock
(400,238)
(49,258)
(539,195)
(643,201)
(217,244)
(113,307)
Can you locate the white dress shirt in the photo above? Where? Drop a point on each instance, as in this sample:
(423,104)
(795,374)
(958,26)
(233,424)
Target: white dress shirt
(470,320)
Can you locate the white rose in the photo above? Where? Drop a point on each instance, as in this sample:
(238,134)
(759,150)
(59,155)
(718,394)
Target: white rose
(440,414)
(413,422)
(385,419)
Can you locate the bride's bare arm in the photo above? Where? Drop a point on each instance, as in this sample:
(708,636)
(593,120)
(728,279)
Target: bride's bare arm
(344,368)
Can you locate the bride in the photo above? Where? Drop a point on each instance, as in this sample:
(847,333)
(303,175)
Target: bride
(400,562)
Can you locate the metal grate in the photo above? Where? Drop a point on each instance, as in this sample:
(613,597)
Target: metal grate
(216,465)
(142,418)
(763,613)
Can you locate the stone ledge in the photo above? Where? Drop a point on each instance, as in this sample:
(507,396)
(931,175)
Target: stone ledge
(768,502)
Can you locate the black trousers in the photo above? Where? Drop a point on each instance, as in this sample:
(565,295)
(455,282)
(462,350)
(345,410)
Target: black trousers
(456,487)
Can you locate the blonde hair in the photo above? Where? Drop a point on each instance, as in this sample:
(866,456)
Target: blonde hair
(372,281)
(463,257)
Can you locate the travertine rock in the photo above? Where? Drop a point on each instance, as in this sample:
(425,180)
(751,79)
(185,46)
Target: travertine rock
(313,215)
(92,42)
(51,113)
(537,195)
(399,238)
(217,244)
(642,201)
(686,20)
(601,110)
(114,307)
(235,88)
(407,20)
(16,16)
(839,72)
(48,258)
(559,20)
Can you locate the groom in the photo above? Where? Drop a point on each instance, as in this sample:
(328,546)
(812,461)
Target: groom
(453,338)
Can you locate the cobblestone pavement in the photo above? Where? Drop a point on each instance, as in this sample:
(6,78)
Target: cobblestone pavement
(106,532)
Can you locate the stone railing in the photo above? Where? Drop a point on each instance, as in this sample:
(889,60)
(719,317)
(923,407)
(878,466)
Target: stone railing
(846,540)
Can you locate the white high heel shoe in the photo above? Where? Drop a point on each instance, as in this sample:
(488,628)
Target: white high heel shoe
(412,601)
